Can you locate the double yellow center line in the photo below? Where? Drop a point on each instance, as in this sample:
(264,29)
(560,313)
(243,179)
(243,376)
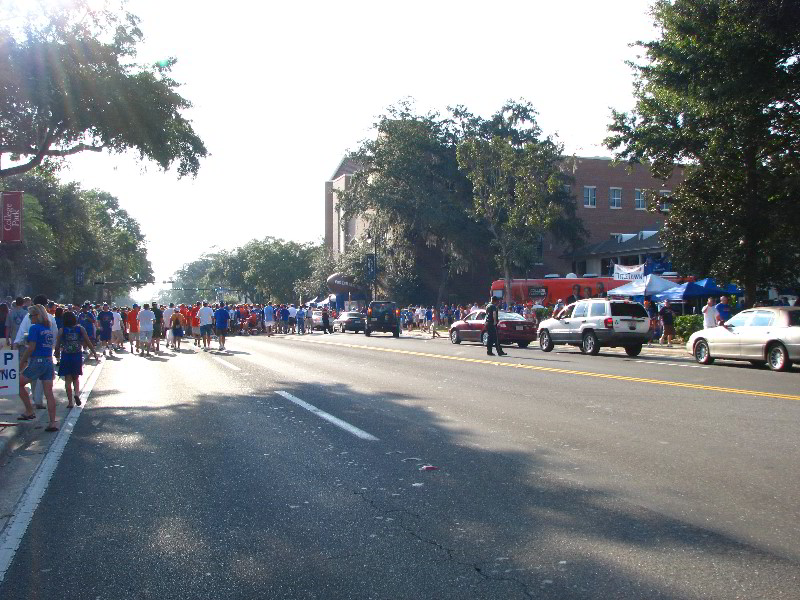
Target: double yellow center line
(680,384)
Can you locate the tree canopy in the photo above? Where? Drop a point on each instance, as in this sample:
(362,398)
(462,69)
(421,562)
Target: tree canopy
(66,228)
(519,184)
(415,198)
(720,91)
(72,84)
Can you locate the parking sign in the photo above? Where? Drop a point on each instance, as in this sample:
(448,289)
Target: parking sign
(9,372)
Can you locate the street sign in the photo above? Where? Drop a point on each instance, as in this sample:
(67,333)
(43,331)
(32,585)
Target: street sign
(11,217)
(372,267)
(9,372)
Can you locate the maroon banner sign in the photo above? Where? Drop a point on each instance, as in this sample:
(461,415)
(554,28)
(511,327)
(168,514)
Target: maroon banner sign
(11,216)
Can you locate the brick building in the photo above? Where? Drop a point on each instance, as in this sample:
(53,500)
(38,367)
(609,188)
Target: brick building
(611,204)
(609,201)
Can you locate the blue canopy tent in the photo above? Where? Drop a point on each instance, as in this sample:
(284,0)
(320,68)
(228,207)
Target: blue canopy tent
(682,292)
(651,284)
(712,289)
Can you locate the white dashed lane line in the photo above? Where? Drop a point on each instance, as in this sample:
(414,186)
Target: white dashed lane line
(360,433)
(225,362)
(650,362)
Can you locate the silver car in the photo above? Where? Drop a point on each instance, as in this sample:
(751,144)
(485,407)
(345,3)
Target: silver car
(767,335)
(599,322)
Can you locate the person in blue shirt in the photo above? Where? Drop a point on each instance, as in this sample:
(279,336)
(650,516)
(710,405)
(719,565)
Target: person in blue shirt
(269,319)
(221,317)
(86,319)
(105,319)
(301,320)
(36,364)
(723,310)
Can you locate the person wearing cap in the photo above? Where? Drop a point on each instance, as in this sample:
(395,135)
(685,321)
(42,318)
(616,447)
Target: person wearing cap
(105,320)
(558,306)
(491,320)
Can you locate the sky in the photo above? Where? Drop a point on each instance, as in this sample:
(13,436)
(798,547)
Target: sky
(281,91)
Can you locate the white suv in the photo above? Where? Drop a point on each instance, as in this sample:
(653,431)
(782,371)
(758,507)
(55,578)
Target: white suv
(595,323)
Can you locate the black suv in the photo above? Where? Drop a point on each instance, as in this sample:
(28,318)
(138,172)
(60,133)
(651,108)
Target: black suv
(383,316)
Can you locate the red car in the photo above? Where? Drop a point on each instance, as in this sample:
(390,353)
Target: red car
(511,329)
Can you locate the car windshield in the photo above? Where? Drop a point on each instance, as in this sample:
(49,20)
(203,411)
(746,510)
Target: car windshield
(509,316)
(628,309)
(794,318)
(381,307)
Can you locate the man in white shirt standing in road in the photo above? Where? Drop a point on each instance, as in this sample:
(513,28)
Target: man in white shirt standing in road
(165,325)
(206,317)
(709,314)
(145,317)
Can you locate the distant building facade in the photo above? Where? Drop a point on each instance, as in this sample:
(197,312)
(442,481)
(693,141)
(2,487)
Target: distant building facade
(609,200)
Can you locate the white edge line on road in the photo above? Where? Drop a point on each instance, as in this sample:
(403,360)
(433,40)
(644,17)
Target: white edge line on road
(23,511)
(330,418)
(225,362)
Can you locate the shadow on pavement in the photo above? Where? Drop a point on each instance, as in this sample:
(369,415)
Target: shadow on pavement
(249,496)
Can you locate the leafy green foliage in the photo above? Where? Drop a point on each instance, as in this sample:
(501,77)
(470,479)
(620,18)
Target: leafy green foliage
(519,183)
(416,200)
(71,84)
(719,90)
(64,228)
(686,325)
(258,271)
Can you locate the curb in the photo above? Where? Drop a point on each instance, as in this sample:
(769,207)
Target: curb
(12,438)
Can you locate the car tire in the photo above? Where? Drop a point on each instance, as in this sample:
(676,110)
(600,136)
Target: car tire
(545,341)
(702,353)
(454,337)
(367,332)
(523,344)
(485,338)
(778,357)
(633,350)
(590,344)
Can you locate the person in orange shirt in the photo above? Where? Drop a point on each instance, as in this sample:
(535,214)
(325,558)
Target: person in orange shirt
(195,321)
(133,326)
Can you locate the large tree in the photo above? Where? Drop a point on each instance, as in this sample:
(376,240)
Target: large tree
(65,228)
(519,184)
(720,91)
(72,84)
(416,200)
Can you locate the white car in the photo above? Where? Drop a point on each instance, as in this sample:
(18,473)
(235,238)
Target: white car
(768,335)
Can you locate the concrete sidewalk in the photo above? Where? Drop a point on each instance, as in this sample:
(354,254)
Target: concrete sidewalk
(26,432)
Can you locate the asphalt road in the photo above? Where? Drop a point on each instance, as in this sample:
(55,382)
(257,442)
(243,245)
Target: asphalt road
(202,475)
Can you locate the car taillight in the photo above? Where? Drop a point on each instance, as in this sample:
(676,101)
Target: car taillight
(609,323)
(369,311)
(397,312)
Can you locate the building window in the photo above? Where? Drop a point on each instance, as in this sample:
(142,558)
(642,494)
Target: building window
(589,196)
(640,204)
(666,203)
(615,198)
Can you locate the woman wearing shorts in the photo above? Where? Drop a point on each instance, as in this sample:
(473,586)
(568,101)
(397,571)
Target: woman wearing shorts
(68,348)
(37,365)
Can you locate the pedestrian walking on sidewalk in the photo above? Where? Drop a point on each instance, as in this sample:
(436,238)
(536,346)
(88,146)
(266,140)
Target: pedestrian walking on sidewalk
(36,364)
(667,323)
(70,354)
(435,318)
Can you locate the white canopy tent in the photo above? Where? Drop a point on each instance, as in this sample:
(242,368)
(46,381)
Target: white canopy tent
(651,284)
